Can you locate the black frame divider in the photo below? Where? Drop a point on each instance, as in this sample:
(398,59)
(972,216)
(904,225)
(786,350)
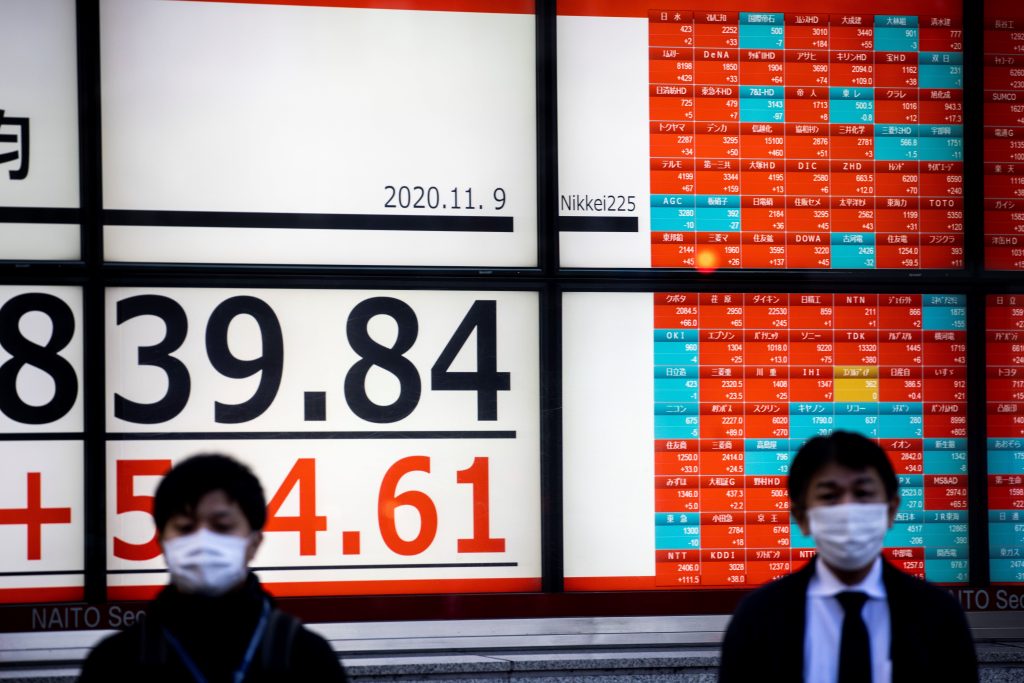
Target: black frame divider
(94,390)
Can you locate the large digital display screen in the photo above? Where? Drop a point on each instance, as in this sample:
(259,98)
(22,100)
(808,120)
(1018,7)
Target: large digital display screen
(677,450)
(42,495)
(1004,354)
(396,433)
(396,422)
(39,194)
(1004,135)
(794,135)
(320,132)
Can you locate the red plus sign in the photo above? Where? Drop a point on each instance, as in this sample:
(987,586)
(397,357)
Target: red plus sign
(34,516)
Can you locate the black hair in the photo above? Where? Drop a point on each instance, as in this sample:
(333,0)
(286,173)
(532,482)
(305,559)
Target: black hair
(182,488)
(848,449)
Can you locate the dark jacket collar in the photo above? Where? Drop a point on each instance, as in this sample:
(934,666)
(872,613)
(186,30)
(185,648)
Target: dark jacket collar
(210,628)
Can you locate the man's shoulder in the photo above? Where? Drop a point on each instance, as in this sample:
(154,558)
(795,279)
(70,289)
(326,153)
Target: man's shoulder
(300,651)
(782,590)
(929,630)
(310,641)
(127,639)
(763,639)
(781,599)
(906,590)
(911,587)
(113,656)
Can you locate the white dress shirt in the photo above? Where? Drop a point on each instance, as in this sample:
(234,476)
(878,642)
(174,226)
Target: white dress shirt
(824,624)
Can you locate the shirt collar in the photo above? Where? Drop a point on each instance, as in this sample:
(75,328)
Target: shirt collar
(824,583)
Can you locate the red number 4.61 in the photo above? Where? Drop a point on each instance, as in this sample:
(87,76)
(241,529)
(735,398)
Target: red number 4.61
(307,522)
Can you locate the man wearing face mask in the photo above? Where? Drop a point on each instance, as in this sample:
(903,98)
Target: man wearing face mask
(848,616)
(214,622)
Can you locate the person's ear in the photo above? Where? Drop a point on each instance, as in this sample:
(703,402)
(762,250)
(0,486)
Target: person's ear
(255,539)
(894,505)
(800,515)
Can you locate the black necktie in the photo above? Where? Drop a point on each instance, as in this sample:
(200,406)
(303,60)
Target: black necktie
(854,649)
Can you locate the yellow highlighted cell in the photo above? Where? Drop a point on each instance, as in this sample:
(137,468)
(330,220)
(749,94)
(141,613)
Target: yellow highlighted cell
(856,390)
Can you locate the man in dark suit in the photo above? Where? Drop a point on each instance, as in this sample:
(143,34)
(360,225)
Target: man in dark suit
(848,616)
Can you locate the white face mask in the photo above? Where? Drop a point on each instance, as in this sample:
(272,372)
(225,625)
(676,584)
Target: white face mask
(206,562)
(849,536)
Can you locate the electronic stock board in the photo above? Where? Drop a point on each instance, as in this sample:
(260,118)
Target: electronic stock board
(737,382)
(792,136)
(397,427)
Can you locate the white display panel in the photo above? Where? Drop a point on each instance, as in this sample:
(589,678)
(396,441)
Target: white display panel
(607,424)
(41,491)
(38,129)
(40,241)
(282,134)
(398,429)
(603,124)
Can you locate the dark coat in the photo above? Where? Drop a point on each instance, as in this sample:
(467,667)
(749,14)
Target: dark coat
(215,633)
(930,637)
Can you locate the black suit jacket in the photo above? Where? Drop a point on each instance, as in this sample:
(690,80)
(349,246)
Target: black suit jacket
(930,637)
(215,633)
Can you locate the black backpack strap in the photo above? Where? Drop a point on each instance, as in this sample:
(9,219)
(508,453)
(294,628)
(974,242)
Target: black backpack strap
(278,641)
